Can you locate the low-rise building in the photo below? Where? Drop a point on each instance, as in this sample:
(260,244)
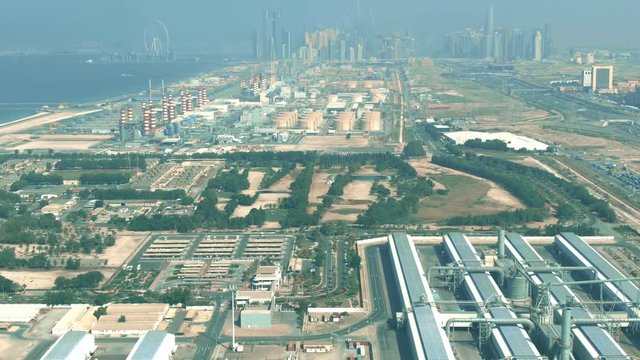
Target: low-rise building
(267,278)
(255,316)
(74,345)
(154,345)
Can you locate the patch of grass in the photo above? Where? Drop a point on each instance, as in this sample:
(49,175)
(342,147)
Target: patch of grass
(465,196)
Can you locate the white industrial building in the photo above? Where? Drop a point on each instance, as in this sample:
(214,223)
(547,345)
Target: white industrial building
(74,345)
(154,345)
(267,278)
(19,313)
(513,141)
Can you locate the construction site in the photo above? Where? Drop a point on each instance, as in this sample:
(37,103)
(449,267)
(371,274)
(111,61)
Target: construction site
(507,296)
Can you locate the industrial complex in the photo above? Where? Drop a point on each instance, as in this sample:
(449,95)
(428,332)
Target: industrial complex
(570,304)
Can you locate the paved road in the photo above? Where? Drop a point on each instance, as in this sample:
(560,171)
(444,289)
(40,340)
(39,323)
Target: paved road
(207,343)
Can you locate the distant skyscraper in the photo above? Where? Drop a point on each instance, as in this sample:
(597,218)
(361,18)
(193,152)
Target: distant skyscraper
(517,44)
(360,53)
(489,34)
(498,49)
(256,46)
(352,55)
(545,41)
(537,46)
(602,78)
(343,50)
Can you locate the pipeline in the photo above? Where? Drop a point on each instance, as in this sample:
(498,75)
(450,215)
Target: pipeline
(480,269)
(517,321)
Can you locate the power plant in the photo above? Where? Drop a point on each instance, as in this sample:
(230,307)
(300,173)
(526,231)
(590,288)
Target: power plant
(147,124)
(561,300)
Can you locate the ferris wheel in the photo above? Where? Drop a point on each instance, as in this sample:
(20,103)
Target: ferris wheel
(156,39)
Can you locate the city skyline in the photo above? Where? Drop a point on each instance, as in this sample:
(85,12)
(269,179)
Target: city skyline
(202,26)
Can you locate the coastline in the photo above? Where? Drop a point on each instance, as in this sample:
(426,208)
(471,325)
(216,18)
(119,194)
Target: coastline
(46,117)
(40,119)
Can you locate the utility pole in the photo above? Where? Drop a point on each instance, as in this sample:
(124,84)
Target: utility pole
(233,289)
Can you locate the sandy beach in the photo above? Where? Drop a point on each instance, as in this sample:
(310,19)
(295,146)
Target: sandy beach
(40,119)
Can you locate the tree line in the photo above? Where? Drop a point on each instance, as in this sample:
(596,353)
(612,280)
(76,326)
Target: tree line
(113,163)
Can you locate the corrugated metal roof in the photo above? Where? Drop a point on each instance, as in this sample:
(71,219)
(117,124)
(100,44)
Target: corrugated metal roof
(433,345)
(409,267)
(65,345)
(597,336)
(627,287)
(148,346)
(516,338)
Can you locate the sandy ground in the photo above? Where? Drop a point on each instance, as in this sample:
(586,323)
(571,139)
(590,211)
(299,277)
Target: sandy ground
(13,348)
(356,197)
(267,199)
(126,245)
(327,142)
(255,177)
(284,183)
(264,200)
(44,279)
(319,188)
(41,119)
(54,142)
(495,193)
(529,161)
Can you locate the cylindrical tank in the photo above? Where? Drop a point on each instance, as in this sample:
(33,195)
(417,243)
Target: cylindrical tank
(518,288)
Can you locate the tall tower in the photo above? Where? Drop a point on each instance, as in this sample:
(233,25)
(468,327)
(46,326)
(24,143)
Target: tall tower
(488,33)
(152,117)
(537,46)
(123,123)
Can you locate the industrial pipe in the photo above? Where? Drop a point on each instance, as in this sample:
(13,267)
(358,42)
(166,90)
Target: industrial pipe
(557,268)
(565,337)
(587,282)
(501,234)
(472,269)
(517,321)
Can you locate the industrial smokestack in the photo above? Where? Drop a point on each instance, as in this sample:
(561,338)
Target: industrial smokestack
(501,244)
(565,337)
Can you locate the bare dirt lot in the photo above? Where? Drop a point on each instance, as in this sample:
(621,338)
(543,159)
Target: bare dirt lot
(356,200)
(41,119)
(319,188)
(54,142)
(325,143)
(44,279)
(255,177)
(529,161)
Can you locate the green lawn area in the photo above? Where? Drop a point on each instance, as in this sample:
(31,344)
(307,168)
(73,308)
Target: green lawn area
(466,196)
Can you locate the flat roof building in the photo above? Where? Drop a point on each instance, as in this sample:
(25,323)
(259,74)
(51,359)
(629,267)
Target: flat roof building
(255,316)
(74,345)
(602,78)
(154,345)
(267,278)
(19,313)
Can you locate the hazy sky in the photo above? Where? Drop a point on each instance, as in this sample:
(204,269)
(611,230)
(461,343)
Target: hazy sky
(227,25)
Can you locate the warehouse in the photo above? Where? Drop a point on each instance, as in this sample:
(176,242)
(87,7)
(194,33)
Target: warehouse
(154,345)
(130,319)
(74,345)
(255,316)
(79,317)
(19,313)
